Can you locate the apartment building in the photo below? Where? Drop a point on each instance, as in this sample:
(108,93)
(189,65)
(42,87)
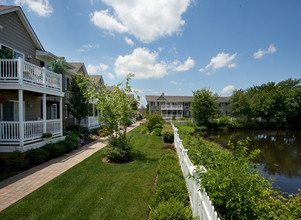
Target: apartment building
(170,107)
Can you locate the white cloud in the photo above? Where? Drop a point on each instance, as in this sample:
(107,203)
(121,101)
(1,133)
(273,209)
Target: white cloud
(142,63)
(174,83)
(40,7)
(180,89)
(219,61)
(145,65)
(103,20)
(129,41)
(92,69)
(260,53)
(146,20)
(187,65)
(227,90)
(88,47)
(111,76)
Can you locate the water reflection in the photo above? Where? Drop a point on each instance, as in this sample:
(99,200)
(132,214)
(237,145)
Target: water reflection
(281,153)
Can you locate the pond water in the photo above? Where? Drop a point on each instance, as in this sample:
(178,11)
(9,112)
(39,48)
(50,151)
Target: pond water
(280,159)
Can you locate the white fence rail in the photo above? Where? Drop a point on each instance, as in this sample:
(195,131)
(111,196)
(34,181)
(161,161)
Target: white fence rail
(200,201)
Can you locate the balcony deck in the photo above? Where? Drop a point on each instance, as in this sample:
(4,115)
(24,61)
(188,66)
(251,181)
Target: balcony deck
(171,107)
(10,132)
(17,72)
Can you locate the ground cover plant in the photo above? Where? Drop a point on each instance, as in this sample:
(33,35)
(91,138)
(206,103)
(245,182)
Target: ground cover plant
(234,184)
(97,190)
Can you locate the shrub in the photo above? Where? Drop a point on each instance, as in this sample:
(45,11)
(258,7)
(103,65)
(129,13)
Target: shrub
(68,145)
(157,132)
(153,119)
(15,161)
(167,133)
(73,137)
(171,209)
(54,150)
(36,156)
(144,130)
(119,149)
(159,125)
(85,132)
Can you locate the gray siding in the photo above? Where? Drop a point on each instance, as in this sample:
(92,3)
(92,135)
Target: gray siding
(15,35)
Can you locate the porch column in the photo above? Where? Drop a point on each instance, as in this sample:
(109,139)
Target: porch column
(21,118)
(44,113)
(93,111)
(61,116)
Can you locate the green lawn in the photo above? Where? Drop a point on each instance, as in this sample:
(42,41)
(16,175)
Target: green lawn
(95,190)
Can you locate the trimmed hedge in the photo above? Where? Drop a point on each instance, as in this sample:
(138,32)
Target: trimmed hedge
(36,156)
(68,145)
(54,150)
(170,200)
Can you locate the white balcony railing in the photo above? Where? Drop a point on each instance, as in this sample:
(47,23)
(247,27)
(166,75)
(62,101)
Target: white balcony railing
(33,130)
(20,71)
(89,122)
(172,116)
(171,107)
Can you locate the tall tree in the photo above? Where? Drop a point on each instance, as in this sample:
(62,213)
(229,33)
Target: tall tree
(79,101)
(240,103)
(203,105)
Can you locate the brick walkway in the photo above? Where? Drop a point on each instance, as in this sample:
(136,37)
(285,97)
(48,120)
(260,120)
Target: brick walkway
(19,186)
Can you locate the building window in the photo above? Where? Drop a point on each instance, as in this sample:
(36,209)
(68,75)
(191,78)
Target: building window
(187,104)
(16,54)
(67,83)
(154,103)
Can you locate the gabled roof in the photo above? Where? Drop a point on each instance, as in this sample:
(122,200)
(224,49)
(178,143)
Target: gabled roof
(4,9)
(153,98)
(77,66)
(162,97)
(97,79)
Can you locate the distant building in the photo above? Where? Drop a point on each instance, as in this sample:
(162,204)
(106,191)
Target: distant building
(179,106)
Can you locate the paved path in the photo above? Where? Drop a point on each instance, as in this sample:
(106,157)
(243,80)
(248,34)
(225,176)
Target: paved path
(19,186)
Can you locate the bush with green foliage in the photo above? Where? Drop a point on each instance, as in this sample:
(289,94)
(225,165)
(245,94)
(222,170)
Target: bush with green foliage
(15,162)
(36,156)
(167,133)
(68,145)
(170,210)
(156,132)
(144,130)
(234,185)
(73,136)
(170,190)
(153,120)
(54,150)
(119,149)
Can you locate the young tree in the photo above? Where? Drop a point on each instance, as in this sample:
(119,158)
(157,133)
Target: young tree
(116,112)
(79,102)
(203,105)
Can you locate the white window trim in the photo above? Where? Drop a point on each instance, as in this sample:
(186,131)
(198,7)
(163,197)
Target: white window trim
(13,50)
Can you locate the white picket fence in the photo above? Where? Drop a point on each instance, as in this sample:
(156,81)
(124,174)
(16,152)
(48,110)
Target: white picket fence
(200,201)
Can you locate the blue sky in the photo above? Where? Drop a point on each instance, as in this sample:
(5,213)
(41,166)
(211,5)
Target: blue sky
(174,46)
